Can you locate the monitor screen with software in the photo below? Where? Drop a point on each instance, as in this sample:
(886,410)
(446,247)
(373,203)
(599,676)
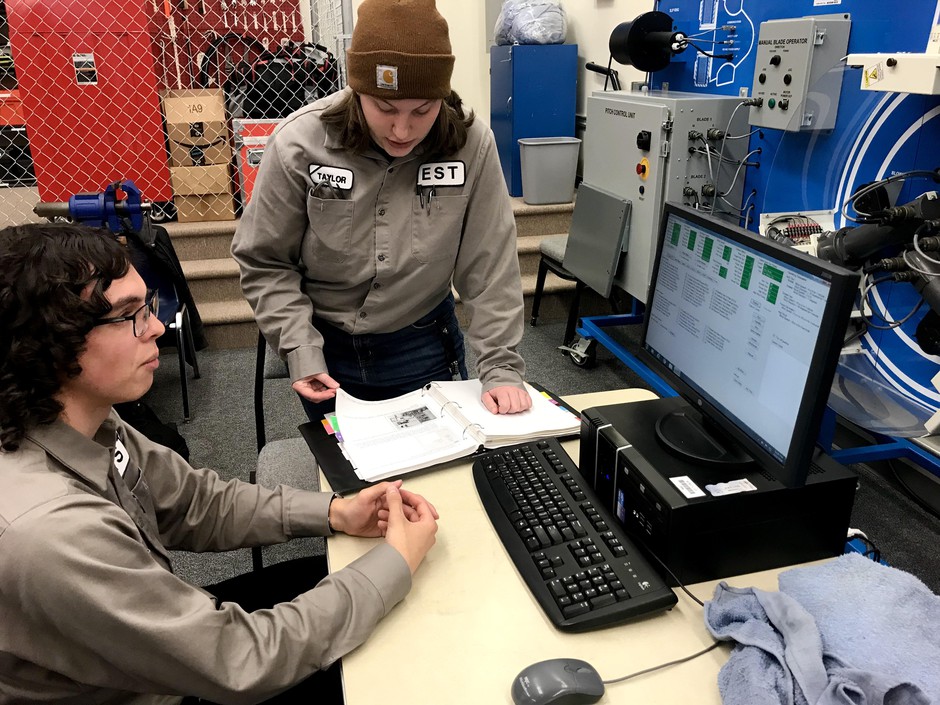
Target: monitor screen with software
(749,333)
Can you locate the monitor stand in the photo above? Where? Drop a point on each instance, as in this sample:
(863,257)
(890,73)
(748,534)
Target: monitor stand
(691,436)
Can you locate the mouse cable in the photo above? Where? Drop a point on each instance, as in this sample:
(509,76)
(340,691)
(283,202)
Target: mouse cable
(664,665)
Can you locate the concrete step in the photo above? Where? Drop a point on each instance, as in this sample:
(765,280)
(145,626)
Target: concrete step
(210,240)
(212,280)
(215,280)
(231,323)
(213,239)
(203,249)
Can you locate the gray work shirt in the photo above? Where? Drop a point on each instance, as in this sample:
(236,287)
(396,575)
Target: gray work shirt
(90,610)
(375,251)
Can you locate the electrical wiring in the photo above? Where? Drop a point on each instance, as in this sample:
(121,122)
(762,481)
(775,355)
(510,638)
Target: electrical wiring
(743,163)
(692,597)
(708,150)
(746,208)
(724,160)
(866,291)
(708,157)
(798,229)
(709,41)
(917,233)
(871,550)
(721,148)
(736,213)
(610,62)
(741,137)
(868,188)
(665,665)
(915,268)
(726,57)
(734,208)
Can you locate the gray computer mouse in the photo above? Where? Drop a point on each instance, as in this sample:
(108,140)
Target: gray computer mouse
(559,681)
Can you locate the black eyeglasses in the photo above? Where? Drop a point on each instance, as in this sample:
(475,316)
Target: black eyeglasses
(140,317)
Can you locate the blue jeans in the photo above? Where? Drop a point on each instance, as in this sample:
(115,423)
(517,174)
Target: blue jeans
(378,366)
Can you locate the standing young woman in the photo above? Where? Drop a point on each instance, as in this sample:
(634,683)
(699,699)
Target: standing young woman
(369,204)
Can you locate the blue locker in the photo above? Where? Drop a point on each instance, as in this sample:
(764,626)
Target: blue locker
(533,92)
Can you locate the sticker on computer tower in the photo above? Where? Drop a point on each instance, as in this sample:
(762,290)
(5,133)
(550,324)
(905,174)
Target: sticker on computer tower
(688,488)
(733,487)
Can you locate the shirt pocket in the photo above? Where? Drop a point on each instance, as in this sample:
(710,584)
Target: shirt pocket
(437,227)
(329,234)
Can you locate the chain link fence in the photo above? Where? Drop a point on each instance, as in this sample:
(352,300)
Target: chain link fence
(177,96)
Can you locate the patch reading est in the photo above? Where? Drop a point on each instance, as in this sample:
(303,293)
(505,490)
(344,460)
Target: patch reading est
(442,174)
(336,177)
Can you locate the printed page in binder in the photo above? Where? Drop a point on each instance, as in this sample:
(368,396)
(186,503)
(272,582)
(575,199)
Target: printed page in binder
(442,422)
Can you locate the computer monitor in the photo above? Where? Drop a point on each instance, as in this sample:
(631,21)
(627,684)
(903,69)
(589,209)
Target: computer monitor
(749,333)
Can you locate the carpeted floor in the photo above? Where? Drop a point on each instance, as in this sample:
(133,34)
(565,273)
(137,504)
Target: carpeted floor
(221,435)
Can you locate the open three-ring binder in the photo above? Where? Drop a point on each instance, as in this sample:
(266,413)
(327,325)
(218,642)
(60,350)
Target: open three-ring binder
(441,422)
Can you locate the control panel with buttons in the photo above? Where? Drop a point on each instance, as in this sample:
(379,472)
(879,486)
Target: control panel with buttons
(649,147)
(796,72)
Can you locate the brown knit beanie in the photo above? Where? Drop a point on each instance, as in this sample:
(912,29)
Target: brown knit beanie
(400,49)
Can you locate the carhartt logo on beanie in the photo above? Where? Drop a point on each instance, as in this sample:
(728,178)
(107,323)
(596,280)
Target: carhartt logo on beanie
(400,49)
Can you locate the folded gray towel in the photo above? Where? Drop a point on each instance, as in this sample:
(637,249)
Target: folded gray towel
(874,617)
(779,657)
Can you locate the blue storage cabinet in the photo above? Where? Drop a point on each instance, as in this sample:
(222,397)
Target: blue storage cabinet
(533,92)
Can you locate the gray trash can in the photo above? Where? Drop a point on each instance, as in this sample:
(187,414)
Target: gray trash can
(549,166)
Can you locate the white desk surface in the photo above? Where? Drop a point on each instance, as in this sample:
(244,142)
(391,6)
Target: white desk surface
(469,624)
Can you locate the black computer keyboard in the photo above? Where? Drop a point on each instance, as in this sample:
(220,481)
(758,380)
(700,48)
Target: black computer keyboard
(574,557)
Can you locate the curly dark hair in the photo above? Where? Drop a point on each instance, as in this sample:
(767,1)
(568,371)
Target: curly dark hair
(46,313)
(447,136)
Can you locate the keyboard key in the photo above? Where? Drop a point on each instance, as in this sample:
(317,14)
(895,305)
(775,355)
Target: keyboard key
(576,609)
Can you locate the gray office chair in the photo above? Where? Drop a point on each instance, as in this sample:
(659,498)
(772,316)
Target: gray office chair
(552,255)
(283,462)
(588,255)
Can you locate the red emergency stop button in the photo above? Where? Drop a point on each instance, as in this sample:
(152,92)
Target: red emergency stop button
(643,168)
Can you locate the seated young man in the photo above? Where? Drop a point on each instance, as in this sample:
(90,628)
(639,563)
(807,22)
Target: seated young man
(90,610)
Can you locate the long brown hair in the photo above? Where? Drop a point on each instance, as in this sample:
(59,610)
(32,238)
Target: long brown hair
(447,136)
(46,315)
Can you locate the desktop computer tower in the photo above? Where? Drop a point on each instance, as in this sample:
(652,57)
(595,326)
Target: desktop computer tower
(691,518)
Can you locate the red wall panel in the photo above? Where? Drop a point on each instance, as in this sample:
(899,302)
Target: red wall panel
(84,136)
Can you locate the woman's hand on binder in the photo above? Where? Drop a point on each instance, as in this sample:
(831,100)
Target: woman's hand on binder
(316,388)
(506,400)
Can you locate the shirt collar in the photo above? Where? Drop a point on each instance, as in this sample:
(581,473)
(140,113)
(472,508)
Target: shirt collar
(88,458)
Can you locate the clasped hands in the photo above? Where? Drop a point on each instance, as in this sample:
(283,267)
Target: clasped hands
(406,519)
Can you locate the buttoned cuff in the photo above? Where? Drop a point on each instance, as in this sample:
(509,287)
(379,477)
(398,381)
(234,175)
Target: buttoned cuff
(388,571)
(308,513)
(501,377)
(305,361)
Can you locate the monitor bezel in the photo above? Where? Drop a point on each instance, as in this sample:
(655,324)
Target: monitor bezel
(843,289)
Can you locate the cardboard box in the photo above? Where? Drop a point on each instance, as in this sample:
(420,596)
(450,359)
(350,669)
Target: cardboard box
(198,143)
(217,206)
(199,180)
(186,106)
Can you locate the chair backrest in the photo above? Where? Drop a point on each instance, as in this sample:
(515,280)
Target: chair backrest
(598,235)
(156,276)
(267,366)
